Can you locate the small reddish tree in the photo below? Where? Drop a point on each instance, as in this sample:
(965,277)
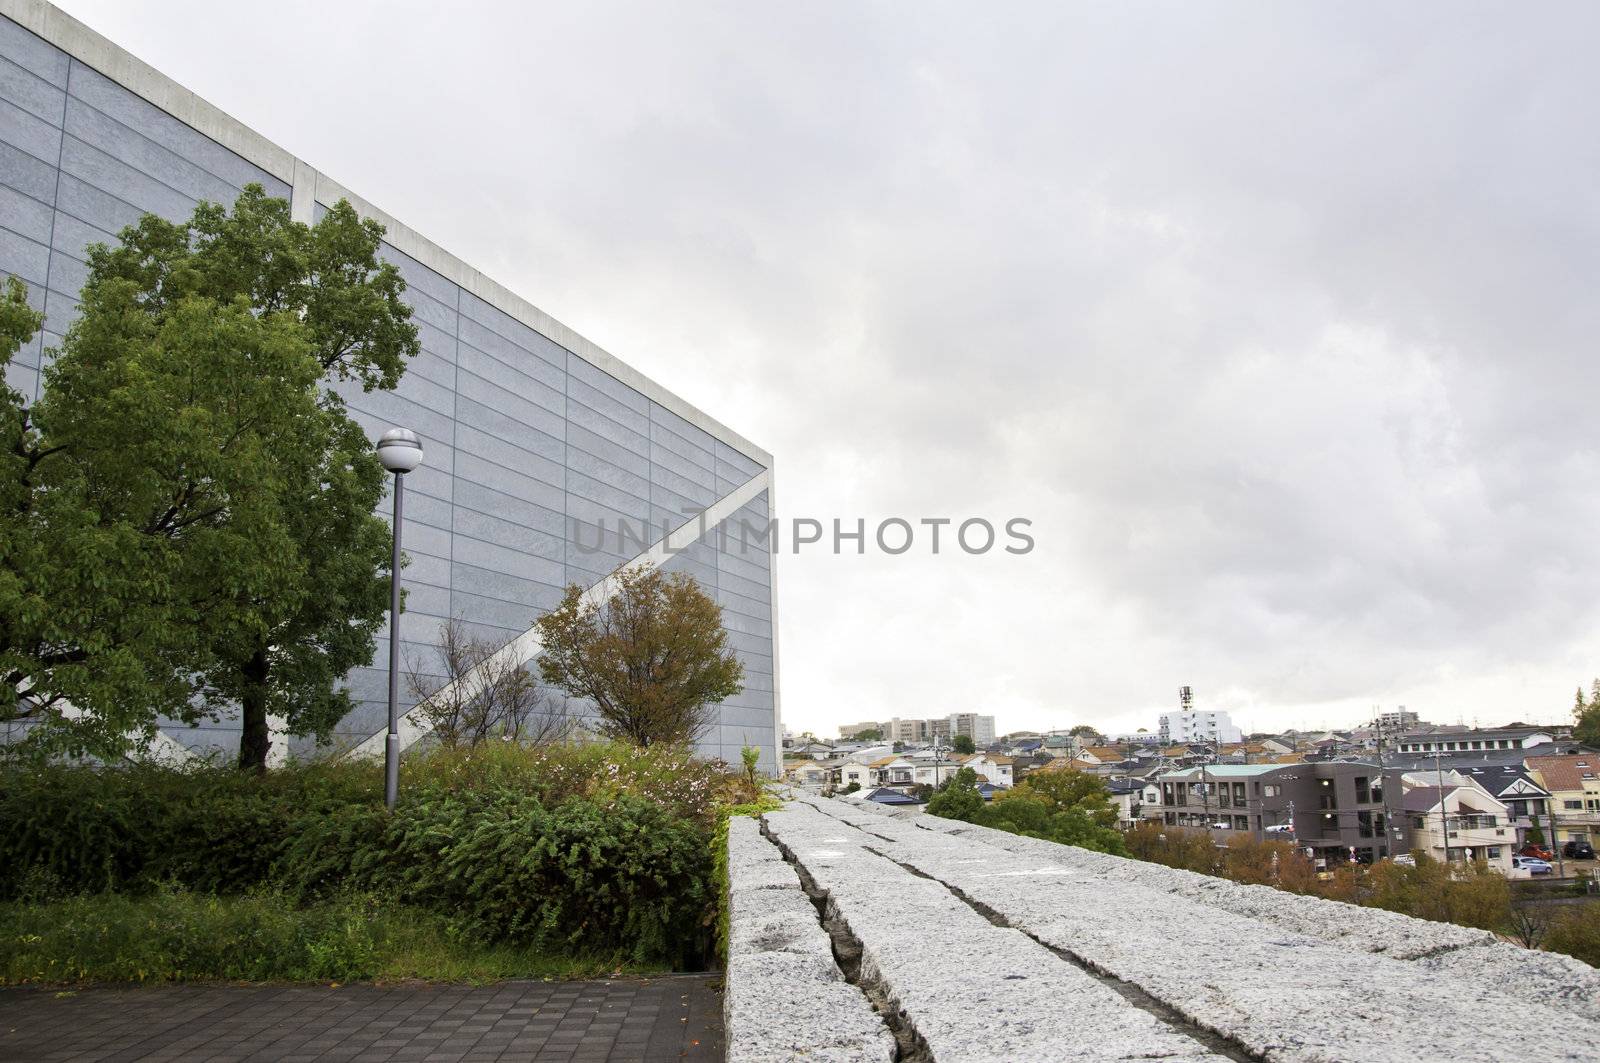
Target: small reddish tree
(653,657)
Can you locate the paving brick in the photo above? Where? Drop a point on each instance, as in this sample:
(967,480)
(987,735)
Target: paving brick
(364,1024)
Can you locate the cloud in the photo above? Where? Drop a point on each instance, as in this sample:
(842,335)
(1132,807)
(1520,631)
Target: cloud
(1278,322)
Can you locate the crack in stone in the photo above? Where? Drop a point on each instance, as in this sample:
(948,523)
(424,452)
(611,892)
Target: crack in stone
(847,948)
(1139,997)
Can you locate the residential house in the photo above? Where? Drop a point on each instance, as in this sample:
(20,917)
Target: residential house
(993,768)
(1527,803)
(1460,823)
(893,770)
(1573,782)
(1128,796)
(808,773)
(854,770)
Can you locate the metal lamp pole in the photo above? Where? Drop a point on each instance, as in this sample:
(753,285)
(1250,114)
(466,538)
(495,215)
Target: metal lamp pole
(400,451)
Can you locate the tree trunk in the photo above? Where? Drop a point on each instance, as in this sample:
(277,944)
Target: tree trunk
(254,739)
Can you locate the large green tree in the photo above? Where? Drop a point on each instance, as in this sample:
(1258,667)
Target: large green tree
(190,411)
(86,618)
(653,657)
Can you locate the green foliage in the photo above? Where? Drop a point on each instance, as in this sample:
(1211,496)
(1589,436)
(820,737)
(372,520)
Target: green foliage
(206,499)
(172,935)
(1586,717)
(871,734)
(573,849)
(962,744)
(654,657)
(1070,807)
(1575,930)
(751,757)
(958,798)
(1468,895)
(852,788)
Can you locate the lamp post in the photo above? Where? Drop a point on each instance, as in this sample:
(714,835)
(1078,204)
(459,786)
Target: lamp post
(400,451)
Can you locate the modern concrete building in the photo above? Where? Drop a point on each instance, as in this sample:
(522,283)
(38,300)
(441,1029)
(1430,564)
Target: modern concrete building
(535,438)
(1193,725)
(1335,809)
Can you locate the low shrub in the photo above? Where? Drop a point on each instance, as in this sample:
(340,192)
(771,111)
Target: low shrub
(1575,930)
(1070,807)
(600,848)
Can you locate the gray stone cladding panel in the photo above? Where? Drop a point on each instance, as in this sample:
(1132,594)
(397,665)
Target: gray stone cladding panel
(136,151)
(36,56)
(39,137)
(785,997)
(680,465)
(522,337)
(27,217)
(24,258)
(513,358)
(27,91)
(93,166)
(26,174)
(600,485)
(161,129)
(72,236)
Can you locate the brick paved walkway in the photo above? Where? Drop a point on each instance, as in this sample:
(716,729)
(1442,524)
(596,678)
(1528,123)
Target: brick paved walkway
(678,1017)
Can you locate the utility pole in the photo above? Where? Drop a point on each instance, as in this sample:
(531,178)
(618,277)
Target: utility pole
(1383,782)
(1555,846)
(1444,816)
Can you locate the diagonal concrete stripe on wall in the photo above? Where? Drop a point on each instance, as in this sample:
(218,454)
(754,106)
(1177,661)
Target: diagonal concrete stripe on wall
(526,646)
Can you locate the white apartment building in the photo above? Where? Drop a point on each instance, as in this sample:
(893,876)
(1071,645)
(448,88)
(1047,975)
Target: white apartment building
(1394,722)
(1195,725)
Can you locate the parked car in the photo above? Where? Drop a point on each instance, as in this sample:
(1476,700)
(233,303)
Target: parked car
(1578,849)
(1531,864)
(1538,852)
(1405,860)
(1280,828)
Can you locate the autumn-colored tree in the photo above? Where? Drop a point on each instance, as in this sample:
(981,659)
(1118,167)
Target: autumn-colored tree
(653,656)
(1255,862)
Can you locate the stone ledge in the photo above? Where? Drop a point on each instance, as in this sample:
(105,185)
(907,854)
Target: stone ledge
(1276,974)
(785,996)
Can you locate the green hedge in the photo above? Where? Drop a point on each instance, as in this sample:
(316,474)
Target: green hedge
(589,867)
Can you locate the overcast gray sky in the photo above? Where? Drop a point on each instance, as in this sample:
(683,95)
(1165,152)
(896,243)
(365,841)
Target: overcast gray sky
(1277,320)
